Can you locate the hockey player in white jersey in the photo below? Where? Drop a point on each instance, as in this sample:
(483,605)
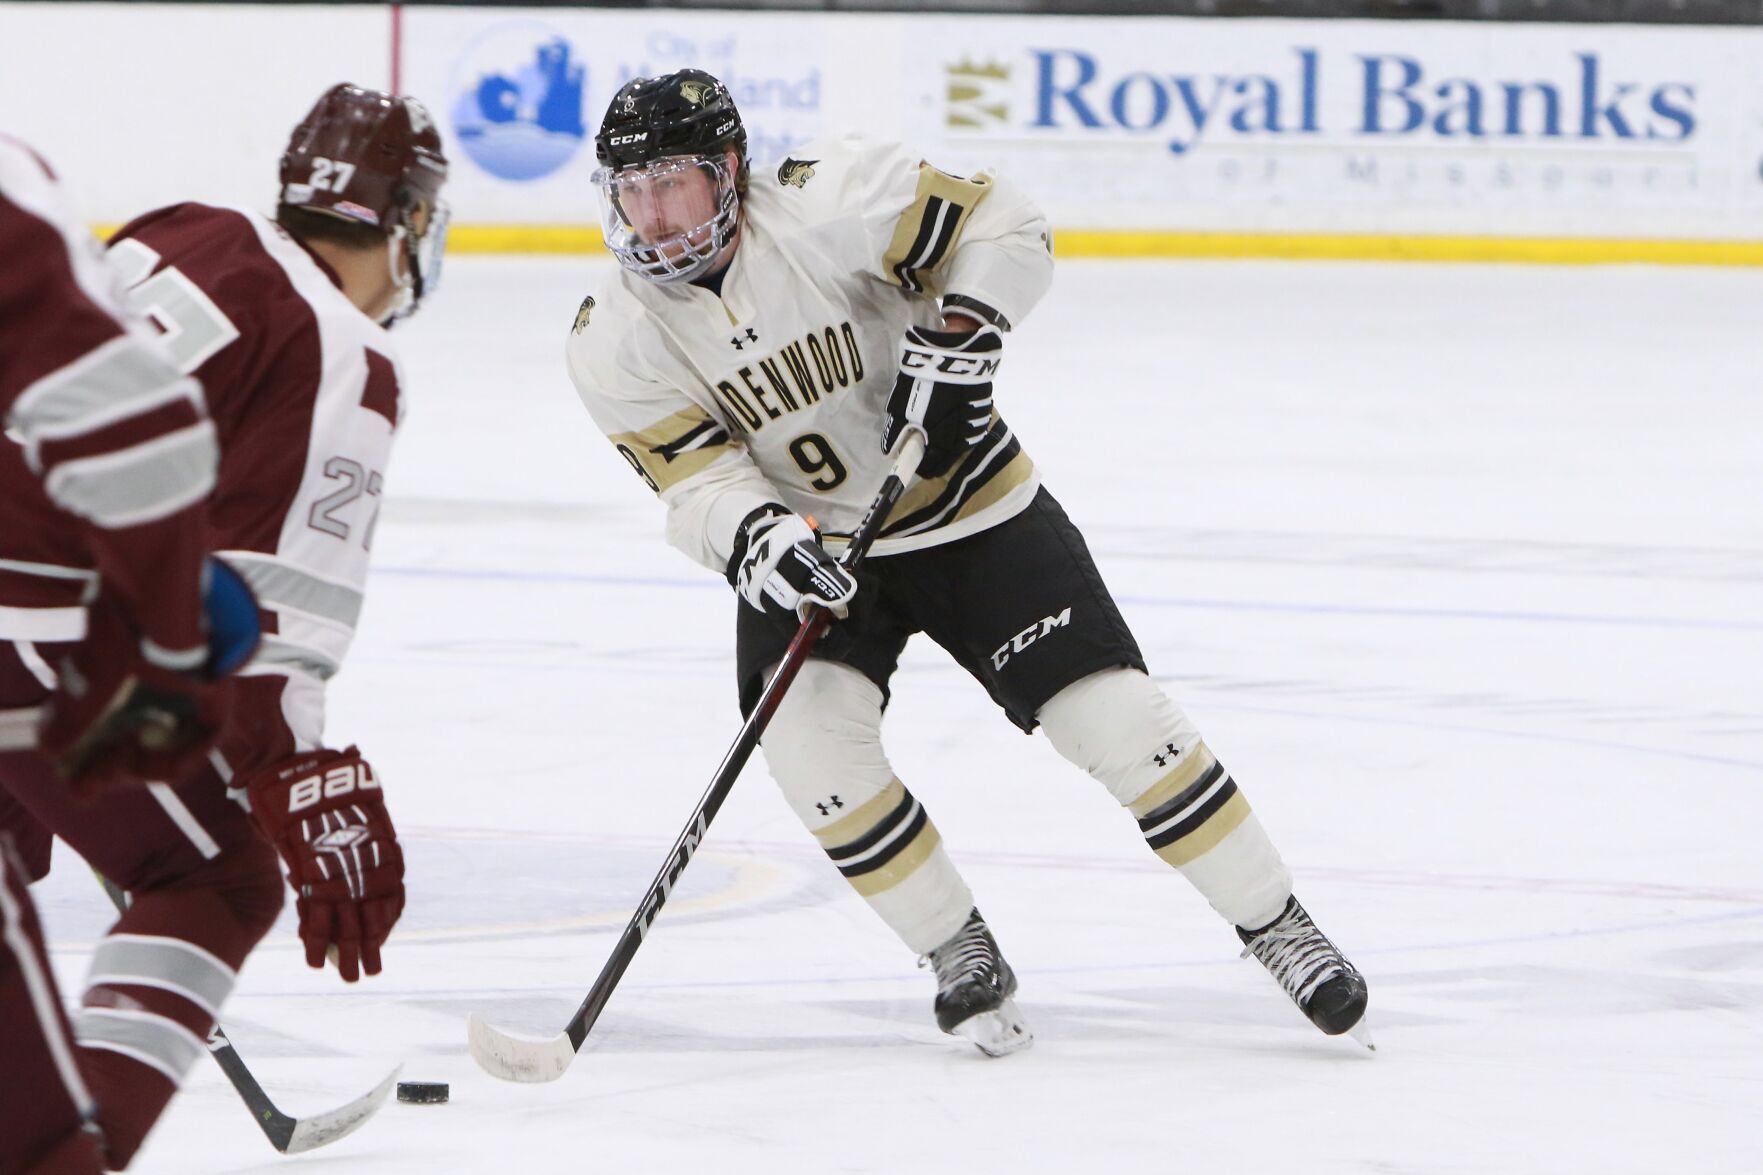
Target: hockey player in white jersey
(767,341)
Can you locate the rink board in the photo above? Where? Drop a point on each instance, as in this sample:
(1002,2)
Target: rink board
(1140,136)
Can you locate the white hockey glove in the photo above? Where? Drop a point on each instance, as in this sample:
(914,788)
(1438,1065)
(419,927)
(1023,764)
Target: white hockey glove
(779,565)
(945,388)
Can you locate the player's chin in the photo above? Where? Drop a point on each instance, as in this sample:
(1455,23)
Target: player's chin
(682,250)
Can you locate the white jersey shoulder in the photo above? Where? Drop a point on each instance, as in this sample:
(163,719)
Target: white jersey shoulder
(773,387)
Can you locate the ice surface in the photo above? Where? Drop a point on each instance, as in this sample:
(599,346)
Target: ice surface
(1460,569)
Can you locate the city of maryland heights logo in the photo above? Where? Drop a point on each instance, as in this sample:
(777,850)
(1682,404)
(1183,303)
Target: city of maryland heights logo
(977,96)
(518,104)
(795,173)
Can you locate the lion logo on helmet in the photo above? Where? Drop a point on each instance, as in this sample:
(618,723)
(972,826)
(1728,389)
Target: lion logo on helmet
(697,93)
(795,173)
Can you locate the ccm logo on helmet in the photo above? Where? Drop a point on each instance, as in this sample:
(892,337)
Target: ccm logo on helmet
(621,140)
(338,781)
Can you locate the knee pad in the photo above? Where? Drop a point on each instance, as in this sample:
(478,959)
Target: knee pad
(823,745)
(1124,731)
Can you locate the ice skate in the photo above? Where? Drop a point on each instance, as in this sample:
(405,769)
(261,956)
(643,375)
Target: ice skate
(974,986)
(1312,970)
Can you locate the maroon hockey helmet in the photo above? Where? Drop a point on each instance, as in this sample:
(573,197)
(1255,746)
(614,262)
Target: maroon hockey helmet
(374,159)
(365,156)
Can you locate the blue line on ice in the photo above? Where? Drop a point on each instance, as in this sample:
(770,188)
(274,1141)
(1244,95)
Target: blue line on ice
(709,583)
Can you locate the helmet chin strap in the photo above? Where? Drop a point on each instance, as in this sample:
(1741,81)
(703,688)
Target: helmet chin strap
(409,282)
(405,288)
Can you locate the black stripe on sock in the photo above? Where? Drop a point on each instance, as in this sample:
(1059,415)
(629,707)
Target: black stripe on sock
(1187,796)
(892,851)
(874,836)
(1204,813)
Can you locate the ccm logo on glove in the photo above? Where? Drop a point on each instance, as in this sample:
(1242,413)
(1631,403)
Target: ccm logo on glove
(338,781)
(971,367)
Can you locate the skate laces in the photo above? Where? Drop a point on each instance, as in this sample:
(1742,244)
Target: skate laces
(968,956)
(1296,954)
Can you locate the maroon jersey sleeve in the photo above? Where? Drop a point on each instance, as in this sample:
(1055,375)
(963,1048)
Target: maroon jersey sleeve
(121,441)
(305,394)
(262,369)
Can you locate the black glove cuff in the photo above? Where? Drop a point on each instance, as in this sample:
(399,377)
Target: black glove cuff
(744,532)
(973,307)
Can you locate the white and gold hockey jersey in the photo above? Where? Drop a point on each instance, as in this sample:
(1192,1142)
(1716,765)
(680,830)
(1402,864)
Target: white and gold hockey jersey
(777,389)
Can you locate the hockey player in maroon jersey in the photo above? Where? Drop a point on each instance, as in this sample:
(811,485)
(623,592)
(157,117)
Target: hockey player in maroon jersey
(106,497)
(284,323)
(118,457)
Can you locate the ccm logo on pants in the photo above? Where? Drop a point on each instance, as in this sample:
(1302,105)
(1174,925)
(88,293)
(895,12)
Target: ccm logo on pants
(1029,636)
(338,781)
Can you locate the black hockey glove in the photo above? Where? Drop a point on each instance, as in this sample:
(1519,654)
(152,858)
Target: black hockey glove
(779,565)
(945,388)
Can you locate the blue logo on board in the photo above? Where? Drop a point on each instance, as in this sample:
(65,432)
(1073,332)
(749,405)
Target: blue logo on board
(517,109)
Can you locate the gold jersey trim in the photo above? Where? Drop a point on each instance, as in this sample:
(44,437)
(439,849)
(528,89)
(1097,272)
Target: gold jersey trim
(673,449)
(925,234)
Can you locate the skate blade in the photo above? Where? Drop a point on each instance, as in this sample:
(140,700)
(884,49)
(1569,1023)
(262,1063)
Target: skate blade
(997,1033)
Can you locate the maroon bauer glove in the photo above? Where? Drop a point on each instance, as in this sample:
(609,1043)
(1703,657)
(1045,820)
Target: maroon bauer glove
(326,815)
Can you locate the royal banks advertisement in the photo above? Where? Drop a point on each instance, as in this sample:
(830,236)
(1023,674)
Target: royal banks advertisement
(1148,129)
(1584,130)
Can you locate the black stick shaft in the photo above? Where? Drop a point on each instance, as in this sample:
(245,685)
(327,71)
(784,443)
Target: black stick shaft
(911,449)
(277,1126)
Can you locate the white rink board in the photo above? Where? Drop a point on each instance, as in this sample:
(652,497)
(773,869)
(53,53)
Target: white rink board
(142,105)
(1124,124)
(1184,124)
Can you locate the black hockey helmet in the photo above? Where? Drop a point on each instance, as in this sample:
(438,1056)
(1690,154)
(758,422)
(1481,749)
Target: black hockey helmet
(687,112)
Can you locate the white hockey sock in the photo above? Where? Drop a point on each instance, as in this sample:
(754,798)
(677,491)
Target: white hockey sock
(1122,729)
(824,749)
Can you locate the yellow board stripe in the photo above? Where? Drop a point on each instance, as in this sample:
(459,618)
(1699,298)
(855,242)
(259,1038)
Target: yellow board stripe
(1306,246)
(572,239)
(1382,247)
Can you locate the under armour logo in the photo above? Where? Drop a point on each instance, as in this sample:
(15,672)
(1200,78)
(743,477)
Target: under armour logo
(752,337)
(834,801)
(1169,750)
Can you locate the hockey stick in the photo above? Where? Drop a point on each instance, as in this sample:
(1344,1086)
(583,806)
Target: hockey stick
(514,1058)
(290,1136)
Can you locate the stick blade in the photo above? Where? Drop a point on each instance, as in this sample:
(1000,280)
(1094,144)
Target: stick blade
(515,1058)
(323,1129)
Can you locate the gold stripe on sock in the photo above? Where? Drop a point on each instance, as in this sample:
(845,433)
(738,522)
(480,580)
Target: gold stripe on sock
(1187,769)
(854,824)
(905,862)
(1206,837)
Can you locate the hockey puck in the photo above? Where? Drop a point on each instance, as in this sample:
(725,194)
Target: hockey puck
(422,1093)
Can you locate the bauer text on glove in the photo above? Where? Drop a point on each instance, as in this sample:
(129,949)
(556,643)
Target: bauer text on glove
(326,815)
